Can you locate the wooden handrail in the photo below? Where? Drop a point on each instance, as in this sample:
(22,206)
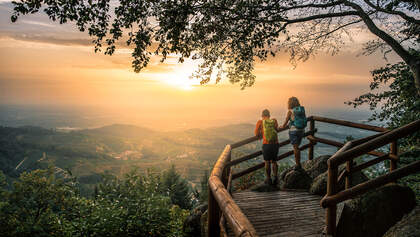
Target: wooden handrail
(244,142)
(261,165)
(258,153)
(349,124)
(221,200)
(354,149)
(371,184)
(339,144)
(374,143)
(245,158)
(370,163)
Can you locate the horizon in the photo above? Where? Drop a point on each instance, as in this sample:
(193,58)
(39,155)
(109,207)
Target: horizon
(86,118)
(44,64)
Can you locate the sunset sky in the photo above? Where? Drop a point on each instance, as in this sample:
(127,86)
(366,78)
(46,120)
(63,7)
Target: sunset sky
(44,63)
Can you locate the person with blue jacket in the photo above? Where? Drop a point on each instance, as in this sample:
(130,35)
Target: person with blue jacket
(296,120)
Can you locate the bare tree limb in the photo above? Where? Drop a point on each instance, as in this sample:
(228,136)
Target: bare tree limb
(399,13)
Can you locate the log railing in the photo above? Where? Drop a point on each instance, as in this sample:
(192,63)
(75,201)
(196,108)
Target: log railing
(223,210)
(353,149)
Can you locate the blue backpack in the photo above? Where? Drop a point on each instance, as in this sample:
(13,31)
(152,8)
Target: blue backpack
(300,117)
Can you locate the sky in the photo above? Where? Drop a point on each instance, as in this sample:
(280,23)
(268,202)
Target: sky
(46,64)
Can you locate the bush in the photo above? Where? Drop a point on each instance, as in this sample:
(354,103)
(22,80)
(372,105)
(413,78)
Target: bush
(41,205)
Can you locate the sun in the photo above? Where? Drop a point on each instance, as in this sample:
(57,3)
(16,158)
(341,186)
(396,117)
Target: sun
(182,82)
(180,79)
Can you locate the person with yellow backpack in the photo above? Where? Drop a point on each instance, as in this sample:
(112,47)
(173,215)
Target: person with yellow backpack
(267,129)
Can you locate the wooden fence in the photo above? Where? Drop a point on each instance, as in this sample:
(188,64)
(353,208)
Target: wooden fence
(223,210)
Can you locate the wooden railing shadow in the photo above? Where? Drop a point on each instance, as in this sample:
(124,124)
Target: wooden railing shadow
(223,210)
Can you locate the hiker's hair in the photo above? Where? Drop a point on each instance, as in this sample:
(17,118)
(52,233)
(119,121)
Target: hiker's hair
(265,113)
(293,102)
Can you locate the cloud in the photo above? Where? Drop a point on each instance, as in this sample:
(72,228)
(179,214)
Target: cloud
(37,23)
(49,39)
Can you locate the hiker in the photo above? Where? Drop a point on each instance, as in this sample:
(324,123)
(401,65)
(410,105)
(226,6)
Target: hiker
(296,118)
(267,129)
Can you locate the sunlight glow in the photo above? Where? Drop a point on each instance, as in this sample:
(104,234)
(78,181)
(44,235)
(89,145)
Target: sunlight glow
(180,78)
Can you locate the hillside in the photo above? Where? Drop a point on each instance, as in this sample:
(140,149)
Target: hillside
(115,149)
(119,148)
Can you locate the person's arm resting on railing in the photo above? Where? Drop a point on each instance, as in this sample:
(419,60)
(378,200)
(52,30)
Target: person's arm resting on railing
(278,129)
(289,114)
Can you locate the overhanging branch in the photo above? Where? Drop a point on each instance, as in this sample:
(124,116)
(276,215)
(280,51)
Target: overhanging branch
(399,13)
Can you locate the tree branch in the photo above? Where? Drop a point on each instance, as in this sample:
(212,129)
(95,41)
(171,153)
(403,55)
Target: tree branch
(321,16)
(336,29)
(399,13)
(304,19)
(395,45)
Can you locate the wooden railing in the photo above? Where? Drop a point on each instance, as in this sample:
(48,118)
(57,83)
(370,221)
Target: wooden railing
(353,149)
(223,210)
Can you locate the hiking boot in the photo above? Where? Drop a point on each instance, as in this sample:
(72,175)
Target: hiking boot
(267,181)
(275,180)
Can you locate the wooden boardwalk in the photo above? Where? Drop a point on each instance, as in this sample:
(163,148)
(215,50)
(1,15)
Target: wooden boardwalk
(282,213)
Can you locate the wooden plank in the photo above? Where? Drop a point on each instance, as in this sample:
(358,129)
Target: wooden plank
(282,213)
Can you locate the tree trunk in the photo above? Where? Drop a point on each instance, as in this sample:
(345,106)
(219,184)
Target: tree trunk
(415,68)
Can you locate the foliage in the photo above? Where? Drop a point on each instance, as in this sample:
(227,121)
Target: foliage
(203,194)
(398,105)
(174,186)
(42,205)
(39,205)
(412,181)
(228,36)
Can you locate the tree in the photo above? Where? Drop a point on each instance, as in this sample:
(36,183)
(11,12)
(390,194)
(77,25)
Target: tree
(204,187)
(398,105)
(174,186)
(228,36)
(39,204)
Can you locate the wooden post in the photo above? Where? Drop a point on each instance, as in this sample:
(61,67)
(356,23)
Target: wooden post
(311,148)
(393,149)
(332,209)
(213,212)
(349,169)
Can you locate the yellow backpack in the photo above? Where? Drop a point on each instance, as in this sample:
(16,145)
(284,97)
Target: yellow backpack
(270,132)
